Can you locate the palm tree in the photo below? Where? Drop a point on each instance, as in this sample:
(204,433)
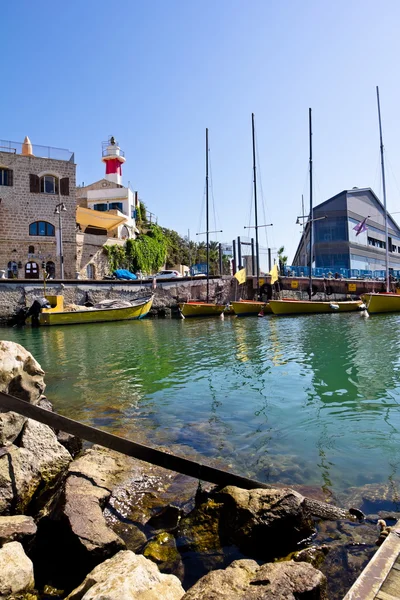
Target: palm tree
(282,259)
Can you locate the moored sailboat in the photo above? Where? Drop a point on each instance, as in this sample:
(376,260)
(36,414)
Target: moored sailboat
(256,307)
(195,308)
(382,302)
(289,306)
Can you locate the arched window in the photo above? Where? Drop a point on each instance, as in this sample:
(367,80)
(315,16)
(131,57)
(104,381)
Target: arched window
(90,271)
(49,184)
(31,250)
(31,270)
(51,269)
(12,270)
(125,233)
(41,228)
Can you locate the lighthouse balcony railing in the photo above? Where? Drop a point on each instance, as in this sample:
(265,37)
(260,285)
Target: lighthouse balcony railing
(39,151)
(117,153)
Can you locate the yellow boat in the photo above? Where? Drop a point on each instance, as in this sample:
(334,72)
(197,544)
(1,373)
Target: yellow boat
(244,308)
(303,307)
(201,309)
(381,303)
(56,315)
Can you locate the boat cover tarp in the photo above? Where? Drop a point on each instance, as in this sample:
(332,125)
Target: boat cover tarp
(124,274)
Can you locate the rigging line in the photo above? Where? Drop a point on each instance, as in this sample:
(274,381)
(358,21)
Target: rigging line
(251,203)
(392,171)
(261,191)
(212,192)
(378,171)
(201,226)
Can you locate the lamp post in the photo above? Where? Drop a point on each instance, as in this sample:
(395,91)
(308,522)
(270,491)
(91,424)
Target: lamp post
(57,211)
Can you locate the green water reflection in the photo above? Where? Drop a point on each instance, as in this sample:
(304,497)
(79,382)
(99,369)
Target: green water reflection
(311,400)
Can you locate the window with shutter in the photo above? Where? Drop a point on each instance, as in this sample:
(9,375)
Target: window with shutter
(34,184)
(64,186)
(6,177)
(49,184)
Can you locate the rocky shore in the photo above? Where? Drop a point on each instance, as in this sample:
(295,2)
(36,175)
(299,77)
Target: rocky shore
(91,524)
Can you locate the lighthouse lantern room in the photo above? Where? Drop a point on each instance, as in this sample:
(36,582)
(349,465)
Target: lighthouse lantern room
(114,157)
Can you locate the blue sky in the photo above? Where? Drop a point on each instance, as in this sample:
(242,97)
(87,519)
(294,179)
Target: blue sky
(155,74)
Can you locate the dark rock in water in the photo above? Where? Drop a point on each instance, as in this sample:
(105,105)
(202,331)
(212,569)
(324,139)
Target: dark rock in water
(263,523)
(373,498)
(315,555)
(166,519)
(71,442)
(128,576)
(162,550)
(16,529)
(245,579)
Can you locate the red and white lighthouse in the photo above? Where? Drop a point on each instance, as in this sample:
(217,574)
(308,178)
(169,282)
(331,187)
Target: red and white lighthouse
(114,157)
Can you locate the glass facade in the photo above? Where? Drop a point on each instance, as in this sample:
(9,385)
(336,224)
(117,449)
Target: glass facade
(332,229)
(328,259)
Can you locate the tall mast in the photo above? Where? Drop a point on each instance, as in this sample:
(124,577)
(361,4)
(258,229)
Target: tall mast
(255,206)
(311,206)
(303,225)
(384,193)
(207,224)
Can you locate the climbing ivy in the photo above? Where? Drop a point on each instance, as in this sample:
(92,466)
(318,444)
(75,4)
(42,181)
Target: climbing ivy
(147,253)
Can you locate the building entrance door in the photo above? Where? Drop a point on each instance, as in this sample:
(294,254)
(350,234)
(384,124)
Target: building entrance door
(31,270)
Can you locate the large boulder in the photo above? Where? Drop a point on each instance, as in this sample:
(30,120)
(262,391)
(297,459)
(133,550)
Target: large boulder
(265,523)
(246,580)
(31,471)
(128,576)
(21,376)
(16,570)
(16,528)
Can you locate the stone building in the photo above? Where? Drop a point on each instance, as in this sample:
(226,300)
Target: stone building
(37,194)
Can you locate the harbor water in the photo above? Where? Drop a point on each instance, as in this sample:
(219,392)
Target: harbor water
(306,400)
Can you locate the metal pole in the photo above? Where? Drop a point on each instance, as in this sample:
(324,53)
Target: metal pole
(61,244)
(207,225)
(303,226)
(234,256)
(220,258)
(239,251)
(311,206)
(255,207)
(269,260)
(384,194)
(190,257)
(253,266)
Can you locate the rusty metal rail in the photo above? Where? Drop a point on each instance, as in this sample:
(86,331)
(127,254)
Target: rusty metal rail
(168,461)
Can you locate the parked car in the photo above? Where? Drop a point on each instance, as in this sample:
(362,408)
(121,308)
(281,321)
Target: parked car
(168,274)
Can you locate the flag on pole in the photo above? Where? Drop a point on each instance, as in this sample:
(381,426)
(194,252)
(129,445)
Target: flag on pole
(274,272)
(241,276)
(360,227)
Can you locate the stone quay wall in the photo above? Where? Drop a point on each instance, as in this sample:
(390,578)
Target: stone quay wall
(15,295)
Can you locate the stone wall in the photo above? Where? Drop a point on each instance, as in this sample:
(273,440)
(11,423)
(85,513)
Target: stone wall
(15,295)
(20,207)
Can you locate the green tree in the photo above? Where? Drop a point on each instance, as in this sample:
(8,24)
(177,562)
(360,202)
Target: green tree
(282,259)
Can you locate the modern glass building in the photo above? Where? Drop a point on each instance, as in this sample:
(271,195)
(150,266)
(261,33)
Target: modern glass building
(336,243)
